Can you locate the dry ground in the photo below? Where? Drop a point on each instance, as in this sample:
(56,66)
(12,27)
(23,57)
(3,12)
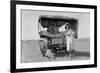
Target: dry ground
(30,51)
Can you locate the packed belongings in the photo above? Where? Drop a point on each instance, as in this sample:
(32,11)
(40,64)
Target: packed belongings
(49,30)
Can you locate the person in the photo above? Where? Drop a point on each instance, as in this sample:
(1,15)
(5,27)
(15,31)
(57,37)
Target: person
(49,53)
(70,39)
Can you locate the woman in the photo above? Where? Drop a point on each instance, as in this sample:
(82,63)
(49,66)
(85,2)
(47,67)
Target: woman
(70,40)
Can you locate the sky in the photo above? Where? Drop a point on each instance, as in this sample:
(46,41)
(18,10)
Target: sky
(30,23)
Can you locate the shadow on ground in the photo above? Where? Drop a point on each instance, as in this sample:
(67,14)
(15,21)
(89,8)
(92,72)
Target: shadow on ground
(85,54)
(76,53)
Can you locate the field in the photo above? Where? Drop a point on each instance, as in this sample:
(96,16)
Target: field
(30,52)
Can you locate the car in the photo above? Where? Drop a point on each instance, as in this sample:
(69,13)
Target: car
(55,39)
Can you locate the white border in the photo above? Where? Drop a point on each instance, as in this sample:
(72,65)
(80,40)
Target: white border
(20,65)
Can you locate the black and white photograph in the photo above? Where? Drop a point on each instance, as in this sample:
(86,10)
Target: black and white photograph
(54,36)
(49,35)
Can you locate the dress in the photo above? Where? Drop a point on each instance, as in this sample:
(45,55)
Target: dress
(70,40)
